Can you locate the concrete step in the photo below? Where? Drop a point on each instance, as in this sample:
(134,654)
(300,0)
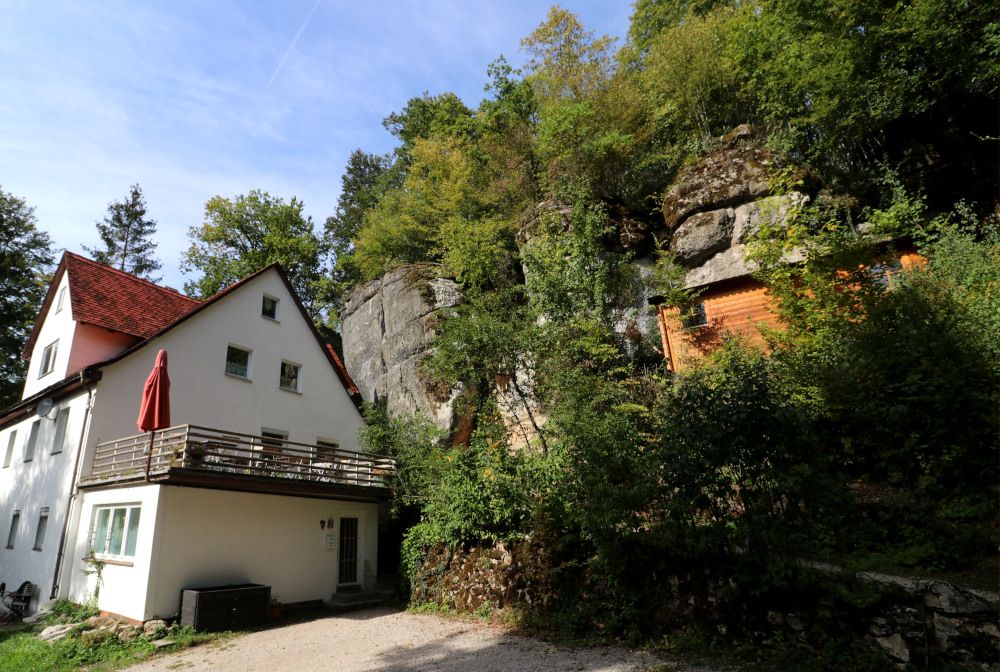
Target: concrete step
(349,601)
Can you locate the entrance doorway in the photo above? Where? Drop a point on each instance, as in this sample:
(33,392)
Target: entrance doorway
(348,556)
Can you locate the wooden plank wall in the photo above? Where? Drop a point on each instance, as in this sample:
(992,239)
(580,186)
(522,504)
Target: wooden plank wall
(740,308)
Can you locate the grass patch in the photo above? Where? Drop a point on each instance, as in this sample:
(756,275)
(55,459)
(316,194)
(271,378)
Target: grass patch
(22,651)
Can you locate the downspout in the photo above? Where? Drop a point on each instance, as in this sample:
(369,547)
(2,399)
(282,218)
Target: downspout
(71,500)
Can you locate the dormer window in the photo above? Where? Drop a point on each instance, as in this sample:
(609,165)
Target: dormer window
(60,299)
(269,308)
(48,359)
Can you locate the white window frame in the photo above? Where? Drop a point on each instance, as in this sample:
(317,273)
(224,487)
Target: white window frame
(60,299)
(48,359)
(277,310)
(101,547)
(298,376)
(15,522)
(32,440)
(62,424)
(249,367)
(9,455)
(43,523)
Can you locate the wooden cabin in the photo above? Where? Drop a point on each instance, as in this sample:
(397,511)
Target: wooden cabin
(739,306)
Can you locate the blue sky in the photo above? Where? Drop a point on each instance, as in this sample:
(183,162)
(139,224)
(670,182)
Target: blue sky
(194,99)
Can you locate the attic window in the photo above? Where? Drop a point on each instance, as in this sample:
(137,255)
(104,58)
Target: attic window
(269,307)
(238,362)
(60,299)
(48,359)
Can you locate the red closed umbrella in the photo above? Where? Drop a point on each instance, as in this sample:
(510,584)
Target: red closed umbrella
(154,409)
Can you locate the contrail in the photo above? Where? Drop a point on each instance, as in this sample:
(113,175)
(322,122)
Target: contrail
(291,46)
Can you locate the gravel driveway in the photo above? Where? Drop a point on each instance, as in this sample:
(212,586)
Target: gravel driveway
(393,641)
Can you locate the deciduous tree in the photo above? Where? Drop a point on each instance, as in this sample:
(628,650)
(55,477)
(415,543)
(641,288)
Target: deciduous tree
(242,235)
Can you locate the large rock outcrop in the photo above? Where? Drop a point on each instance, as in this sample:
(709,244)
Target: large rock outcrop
(716,205)
(388,327)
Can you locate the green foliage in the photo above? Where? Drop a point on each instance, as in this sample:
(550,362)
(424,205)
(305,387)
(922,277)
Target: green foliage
(429,117)
(126,237)
(691,76)
(366,179)
(565,59)
(740,467)
(568,274)
(245,234)
(25,261)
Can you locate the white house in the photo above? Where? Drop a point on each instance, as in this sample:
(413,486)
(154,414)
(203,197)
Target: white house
(259,480)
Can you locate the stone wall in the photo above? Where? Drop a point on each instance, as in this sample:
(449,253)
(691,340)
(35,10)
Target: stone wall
(912,623)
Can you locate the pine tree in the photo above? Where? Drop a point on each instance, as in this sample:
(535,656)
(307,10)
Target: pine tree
(126,234)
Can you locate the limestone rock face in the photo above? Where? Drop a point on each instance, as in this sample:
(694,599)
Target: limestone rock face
(388,329)
(727,177)
(702,235)
(717,204)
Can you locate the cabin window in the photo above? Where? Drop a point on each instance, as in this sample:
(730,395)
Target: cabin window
(269,307)
(694,316)
(289,377)
(60,299)
(29,445)
(116,530)
(882,273)
(43,523)
(238,362)
(15,521)
(62,420)
(10,449)
(48,359)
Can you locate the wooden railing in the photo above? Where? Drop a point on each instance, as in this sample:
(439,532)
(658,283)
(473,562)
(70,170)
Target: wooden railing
(223,452)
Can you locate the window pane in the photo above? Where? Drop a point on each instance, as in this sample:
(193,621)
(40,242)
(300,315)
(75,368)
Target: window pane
(133,531)
(61,421)
(237,362)
(117,532)
(289,379)
(101,531)
(12,535)
(43,522)
(269,308)
(10,449)
(29,447)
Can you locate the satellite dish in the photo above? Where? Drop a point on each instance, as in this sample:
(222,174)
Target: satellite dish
(44,406)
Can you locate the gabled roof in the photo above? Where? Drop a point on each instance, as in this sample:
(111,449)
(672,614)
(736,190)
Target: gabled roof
(106,297)
(352,390)
(122,303)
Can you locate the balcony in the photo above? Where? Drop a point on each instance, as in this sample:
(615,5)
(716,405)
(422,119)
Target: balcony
(195,456)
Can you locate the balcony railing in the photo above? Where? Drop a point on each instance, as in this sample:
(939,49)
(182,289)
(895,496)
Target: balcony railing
(190,449)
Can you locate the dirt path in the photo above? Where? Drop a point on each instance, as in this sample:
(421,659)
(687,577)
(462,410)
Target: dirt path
(393,641)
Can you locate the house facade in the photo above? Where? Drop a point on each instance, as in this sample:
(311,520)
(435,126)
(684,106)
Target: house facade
(259,480)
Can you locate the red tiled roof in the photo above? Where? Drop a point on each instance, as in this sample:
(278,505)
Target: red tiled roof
(106,297)
(109,298)
(345,377)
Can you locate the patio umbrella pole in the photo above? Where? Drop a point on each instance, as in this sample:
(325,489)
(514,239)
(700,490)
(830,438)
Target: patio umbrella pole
(149,452)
